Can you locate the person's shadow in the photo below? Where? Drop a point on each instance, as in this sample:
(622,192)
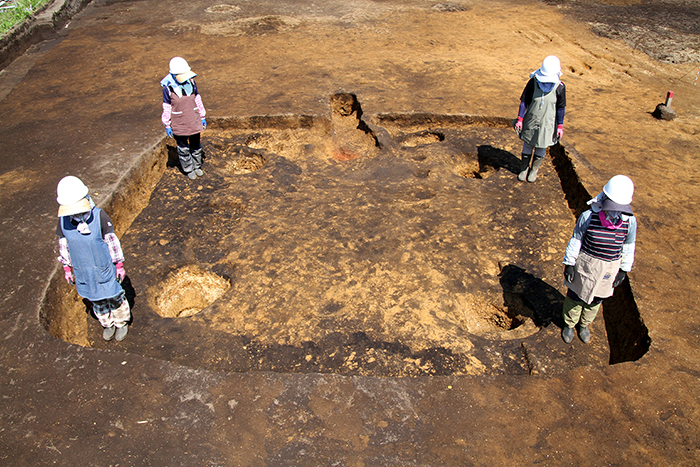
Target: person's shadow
(526,295)
(493,157)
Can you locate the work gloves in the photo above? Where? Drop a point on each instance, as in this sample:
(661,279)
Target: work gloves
(619,278)
(569,272)
(68,274)
(560,132)
(169,130)
(121,273)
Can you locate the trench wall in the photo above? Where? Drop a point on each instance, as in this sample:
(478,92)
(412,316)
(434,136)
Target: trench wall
(43,25)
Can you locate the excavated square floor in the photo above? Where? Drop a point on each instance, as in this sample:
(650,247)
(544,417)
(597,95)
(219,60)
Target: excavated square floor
(303,252)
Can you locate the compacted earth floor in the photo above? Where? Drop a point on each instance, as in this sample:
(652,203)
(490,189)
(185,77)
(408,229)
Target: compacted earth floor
(304,250)
(282,221)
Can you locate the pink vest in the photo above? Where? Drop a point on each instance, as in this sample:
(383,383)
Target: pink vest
(185,118)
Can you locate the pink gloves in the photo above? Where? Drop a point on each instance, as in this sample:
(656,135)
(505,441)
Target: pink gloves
(519,125)
(68,274)
(560,131)
(121,273)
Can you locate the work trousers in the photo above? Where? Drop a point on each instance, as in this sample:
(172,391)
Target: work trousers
(189,151)
(576,311)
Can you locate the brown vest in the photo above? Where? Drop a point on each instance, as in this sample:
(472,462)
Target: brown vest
(185,119)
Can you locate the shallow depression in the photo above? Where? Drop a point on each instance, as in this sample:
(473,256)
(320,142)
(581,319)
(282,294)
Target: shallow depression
(411,259)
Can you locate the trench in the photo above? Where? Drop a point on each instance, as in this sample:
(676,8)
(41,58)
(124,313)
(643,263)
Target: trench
(229,289)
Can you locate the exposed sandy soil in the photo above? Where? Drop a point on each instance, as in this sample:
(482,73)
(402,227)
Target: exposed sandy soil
(398,261)
(89,105)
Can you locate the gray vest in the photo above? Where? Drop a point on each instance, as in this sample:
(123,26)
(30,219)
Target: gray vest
(539,123)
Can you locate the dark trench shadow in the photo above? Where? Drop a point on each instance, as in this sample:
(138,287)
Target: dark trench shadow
(628,336)
(526,295)
(497,158)
(173,159)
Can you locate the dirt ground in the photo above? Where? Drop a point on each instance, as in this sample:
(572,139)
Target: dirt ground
(390,263)
(88,104)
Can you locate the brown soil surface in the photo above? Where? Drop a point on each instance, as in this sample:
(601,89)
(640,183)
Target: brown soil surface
(88,104)
(401,261)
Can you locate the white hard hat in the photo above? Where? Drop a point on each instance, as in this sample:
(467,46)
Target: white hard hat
(550,71)
(179,65)
(71,195)
(619,189)
(181,70)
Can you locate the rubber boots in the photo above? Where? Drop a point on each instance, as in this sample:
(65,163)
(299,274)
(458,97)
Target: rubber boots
(536,163)
(524,165)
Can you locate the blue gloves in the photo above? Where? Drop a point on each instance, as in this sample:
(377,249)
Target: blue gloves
(169,130)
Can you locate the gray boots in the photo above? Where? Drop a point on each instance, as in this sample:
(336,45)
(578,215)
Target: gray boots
(525,164)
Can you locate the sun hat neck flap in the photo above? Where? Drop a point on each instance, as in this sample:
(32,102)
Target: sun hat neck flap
(549,72)
(611,206)
(74,208)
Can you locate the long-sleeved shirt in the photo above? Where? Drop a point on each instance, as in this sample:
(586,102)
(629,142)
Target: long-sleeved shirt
(115,247)
(529,91)
(573,248)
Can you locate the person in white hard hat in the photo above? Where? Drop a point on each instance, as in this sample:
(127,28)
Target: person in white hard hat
(540,122)
(183,115)
(598,256)
(92,256)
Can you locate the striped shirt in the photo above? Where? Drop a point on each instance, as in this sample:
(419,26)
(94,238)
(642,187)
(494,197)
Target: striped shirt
(603,243)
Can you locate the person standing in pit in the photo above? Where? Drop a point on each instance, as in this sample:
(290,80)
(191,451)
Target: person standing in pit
(183,115)
(598,256)
(92,256)
(540,122)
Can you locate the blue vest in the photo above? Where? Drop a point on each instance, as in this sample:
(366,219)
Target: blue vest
(95,274)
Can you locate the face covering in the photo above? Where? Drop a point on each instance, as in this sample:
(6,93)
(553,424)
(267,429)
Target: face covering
(82,219)
(546,87)
(610,219)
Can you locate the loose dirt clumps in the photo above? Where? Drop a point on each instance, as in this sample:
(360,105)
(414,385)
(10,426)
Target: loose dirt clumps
(421,138)
(187,291)
(351,137)
(245,161)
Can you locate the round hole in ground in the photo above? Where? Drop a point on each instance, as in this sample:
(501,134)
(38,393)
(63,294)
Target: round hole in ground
(188,291)
(244,161)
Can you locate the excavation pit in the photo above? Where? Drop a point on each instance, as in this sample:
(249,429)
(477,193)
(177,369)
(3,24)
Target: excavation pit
(407,260)
(187,291)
